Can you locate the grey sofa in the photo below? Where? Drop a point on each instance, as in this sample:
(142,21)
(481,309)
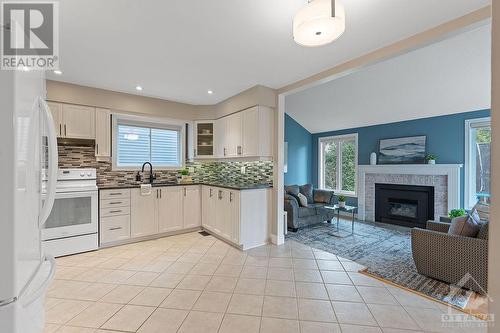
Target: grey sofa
(449,258)
(315,212)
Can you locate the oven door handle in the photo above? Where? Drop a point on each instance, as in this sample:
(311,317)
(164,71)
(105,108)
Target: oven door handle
(53,163)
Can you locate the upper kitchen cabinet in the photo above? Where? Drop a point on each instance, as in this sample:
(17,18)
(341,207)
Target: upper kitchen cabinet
(220,137)
(56,111)
(78,121)
(248,133)
(257,132)
(204,139)
(73,121)
(102,134)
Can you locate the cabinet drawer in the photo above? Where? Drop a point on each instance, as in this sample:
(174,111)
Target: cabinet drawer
(114,228)
(114,211)
(116,202)
(115,194)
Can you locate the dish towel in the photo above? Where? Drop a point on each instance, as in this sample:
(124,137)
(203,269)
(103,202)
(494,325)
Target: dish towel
(146,189)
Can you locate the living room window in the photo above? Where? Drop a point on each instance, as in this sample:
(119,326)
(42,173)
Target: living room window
(477,161)
(137,140)
(338,163)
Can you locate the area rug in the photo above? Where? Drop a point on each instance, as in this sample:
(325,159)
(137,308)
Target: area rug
(385,251)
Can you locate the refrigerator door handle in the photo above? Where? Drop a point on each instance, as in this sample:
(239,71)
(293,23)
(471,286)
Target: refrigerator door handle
(52,160)
(39,292)
(35,295)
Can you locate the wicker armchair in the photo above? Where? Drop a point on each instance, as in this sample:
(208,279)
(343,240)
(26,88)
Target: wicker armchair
(449,258)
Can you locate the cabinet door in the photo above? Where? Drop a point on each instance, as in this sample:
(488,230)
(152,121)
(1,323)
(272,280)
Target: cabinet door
(204,139)
(102,133)
(234,216)
(78,121)
(143,213)
(209,195)
(223,214)
(250,132)
(220,137)
(170,209)
(192,206)
(233,135)
(220,212)
(56,111)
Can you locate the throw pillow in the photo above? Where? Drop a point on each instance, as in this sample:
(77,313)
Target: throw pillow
(483,210)
(307,190)
(467,226)
(302,200)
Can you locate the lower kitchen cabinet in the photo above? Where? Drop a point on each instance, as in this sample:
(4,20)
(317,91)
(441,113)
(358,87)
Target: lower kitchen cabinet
(143,213)
(191,206)
(240,217)
(166,209)
(170,209)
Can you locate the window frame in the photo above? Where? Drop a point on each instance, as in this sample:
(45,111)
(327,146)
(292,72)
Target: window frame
(470,183)
(149,122)
(321,180)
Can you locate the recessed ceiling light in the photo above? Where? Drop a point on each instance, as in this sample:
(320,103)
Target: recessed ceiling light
(138,88)
(58,72)
(210,92)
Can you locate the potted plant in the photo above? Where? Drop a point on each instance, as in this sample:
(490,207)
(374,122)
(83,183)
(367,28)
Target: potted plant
(454,213)
(341,200)
(185,175)
(431,159)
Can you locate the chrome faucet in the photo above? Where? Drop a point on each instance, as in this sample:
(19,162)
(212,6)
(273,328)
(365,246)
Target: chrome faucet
(152,176)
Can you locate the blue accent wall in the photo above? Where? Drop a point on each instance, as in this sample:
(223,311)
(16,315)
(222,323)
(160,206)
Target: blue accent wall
(445,138)
(299,153)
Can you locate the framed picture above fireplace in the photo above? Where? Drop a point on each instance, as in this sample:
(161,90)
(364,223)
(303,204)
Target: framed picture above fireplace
(408,150)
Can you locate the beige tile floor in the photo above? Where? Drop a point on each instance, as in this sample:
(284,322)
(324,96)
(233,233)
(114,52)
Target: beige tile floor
(191,283)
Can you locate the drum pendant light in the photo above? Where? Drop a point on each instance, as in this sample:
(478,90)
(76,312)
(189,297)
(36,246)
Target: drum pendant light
(319,22)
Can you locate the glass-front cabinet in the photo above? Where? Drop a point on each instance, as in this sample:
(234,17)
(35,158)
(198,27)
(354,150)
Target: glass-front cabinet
(204,139)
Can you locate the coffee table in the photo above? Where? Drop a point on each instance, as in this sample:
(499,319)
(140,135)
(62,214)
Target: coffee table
(349,209)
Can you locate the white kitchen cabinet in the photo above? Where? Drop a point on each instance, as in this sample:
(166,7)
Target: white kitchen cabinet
(248,133)
(56,111)
(223,214)
(102,134)
(257,132)
(240,217)
(143,213)
(208,204)
(191,206)
(114,214)
(170,209)
(204,144)
(78,121)
(220,137)
(234,216)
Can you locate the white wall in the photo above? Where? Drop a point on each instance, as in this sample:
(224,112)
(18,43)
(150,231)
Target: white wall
(450,76)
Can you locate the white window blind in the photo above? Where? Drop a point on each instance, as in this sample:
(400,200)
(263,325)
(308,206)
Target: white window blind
(139,143)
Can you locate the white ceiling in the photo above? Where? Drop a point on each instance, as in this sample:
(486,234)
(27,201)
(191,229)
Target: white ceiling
(448,77)
(178,49)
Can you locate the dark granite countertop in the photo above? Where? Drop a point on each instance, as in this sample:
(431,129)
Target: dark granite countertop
(239,187)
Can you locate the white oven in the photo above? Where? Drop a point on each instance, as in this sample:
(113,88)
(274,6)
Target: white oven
(72,225)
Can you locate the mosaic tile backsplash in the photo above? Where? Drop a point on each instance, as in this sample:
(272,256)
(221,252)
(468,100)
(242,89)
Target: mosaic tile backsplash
(257,172)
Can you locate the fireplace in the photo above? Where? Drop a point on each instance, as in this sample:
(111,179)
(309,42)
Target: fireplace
(405,205)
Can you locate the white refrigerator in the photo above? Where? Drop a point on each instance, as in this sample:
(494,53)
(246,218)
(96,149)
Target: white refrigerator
(28,149)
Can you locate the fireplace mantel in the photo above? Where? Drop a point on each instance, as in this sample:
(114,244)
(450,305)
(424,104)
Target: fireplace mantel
(451,171)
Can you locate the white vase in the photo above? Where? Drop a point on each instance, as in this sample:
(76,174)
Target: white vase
(373,159)
(342,204)
(431,162)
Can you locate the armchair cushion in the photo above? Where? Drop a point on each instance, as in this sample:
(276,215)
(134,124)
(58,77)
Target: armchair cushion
(307,190)
(307,211)
(438,226)
(323,196)
(483,211)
